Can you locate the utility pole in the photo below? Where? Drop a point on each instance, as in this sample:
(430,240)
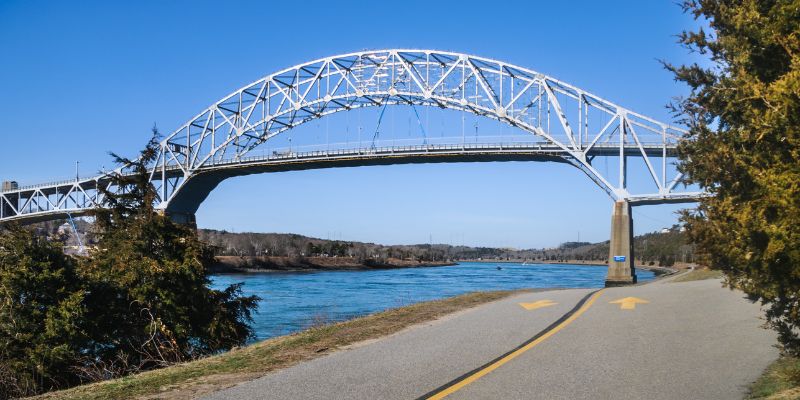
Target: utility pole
(77,175)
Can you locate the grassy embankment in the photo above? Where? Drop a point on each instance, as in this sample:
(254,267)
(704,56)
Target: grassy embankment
(781,381)
(698,275)
(192,379)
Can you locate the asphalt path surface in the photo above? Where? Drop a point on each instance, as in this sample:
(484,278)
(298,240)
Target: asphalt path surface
(692,340)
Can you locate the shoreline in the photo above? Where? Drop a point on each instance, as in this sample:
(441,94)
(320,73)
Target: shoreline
(657,269)
(264,264)
(570,262)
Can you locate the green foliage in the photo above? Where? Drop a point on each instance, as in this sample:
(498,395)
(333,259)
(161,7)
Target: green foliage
(41,308)
(151,275)
(744,118)
(139,301)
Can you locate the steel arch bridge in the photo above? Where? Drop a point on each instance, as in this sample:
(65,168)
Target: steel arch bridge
(562,123)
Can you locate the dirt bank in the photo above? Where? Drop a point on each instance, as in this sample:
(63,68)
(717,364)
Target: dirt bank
(236,264)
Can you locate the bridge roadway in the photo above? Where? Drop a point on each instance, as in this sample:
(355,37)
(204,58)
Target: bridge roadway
(691,340)
(50,199)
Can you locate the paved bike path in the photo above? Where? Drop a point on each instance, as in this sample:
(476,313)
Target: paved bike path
(688,341)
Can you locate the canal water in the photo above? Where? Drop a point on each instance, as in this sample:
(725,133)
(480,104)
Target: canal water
(297,300)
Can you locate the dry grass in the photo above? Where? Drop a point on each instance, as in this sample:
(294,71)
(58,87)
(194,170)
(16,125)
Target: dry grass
(698,275)
(193,379)
(781,381)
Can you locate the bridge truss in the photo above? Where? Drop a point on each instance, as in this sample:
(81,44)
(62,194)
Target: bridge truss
(562,121)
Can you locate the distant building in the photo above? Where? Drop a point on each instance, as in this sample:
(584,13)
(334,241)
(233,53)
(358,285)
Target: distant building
(64,229)
(10,185)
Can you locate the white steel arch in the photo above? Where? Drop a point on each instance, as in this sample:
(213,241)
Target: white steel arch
(563,121)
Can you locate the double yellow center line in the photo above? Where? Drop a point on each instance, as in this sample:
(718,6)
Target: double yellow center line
(551,330)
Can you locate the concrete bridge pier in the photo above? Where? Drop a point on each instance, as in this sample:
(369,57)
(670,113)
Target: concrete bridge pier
(620,258)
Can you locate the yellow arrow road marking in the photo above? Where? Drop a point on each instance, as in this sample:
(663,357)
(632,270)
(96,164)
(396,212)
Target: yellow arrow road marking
(628,303)
(537,304)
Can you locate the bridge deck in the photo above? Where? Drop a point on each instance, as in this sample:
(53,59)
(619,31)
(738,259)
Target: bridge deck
(367,152)
(52,200)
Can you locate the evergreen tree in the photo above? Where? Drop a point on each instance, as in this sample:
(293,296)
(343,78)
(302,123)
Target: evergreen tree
(141,300)
(41,315)
(150,274)
(744,119)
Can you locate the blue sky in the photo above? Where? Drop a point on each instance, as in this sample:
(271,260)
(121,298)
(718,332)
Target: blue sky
(79,79)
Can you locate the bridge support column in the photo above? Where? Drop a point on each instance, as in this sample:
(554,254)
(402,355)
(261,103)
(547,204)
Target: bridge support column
(620,258)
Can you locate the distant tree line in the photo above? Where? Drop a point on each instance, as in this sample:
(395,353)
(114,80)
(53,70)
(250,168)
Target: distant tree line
(292,245)
(663,248)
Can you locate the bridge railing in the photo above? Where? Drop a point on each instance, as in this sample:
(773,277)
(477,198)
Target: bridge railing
(406,144)
(287,153)
(368,143)
(380,147)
